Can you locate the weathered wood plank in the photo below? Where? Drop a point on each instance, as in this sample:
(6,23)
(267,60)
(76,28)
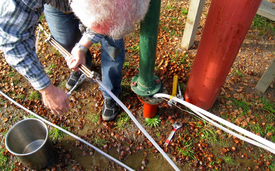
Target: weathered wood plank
(266,78)
(192,23)
(267,9)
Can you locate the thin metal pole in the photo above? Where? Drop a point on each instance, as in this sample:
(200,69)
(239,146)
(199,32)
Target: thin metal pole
(92,75)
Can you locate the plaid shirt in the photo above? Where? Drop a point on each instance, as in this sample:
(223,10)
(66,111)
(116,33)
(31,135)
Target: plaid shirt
(18,22)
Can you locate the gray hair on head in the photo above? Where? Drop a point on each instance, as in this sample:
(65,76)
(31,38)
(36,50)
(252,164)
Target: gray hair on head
(116,18)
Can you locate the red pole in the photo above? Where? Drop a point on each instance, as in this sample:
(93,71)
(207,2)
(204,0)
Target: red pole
(226,26)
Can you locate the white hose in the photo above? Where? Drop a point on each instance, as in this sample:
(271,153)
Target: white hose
(138,125)
(66,54)
(67,132)
(259,141)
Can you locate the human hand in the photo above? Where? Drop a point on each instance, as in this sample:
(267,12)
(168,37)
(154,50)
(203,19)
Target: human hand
(77,58)
(55,99)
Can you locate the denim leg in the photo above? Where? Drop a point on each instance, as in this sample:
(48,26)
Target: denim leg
(64,29)
(112,59)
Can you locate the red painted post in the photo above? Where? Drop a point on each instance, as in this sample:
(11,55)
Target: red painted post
(226,26)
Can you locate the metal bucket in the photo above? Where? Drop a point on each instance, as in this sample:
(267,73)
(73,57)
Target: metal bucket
(28,140)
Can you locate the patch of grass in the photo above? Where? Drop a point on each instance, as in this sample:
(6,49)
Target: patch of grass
(257,128)
(123,121)
(4,162)
(172,32)
(29,116)
(134,47)
(34,95)
(182,87)
(94,117)
(228,160)
(158,134)
(153,122)
(49,69)
(56,52)
(62,85)
(187,150)
(184,11)
(244,105)
(125,83)
(56,134)
(165,29)
(11,74)
(270,129)
(238,73)
(15,82)
(174,18)
(263,24)
(126,65)
(42,17)
(100,142)
(96,44)
(272,166)
(208,134)
(267,106)
(182,59)
(169,6)
(20,96)
(214,162)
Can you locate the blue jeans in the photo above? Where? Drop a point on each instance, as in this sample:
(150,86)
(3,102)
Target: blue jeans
(65,30)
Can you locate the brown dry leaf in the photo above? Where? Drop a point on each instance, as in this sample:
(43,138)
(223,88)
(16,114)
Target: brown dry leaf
(244,123)
(239,120)
(5,119)
(269,134)
(262,117)
(219,132)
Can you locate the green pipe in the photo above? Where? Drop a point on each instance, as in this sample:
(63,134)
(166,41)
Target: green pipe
(146,83)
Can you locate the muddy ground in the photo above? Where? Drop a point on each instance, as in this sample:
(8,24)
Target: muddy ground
(197,145)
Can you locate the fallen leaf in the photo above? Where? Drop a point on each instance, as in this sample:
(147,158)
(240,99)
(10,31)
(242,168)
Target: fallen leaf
(5,119)
(269,134)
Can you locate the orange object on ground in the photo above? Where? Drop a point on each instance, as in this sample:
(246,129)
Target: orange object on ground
(226,26)
(149,109)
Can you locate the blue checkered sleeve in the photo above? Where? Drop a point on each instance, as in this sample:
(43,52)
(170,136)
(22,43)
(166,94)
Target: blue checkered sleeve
(92,36)
(18,22)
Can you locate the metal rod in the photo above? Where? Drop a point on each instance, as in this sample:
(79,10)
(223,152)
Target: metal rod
(92,75)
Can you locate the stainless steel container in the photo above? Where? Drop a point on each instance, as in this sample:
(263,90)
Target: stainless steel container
(28,140)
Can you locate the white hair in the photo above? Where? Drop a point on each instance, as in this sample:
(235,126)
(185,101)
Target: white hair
(117,16)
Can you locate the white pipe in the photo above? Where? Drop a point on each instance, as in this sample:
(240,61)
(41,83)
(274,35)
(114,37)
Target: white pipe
(138,125)
(261,142)
(67,132)
(61,49)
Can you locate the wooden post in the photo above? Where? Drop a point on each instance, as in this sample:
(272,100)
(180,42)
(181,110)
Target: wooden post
(266,78)
(192,23)
(267,10)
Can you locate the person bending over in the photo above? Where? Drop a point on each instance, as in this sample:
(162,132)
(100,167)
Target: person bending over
(106,22)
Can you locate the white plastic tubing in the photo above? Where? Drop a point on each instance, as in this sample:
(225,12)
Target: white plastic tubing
(253,138)
(138,125)
(67,132)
